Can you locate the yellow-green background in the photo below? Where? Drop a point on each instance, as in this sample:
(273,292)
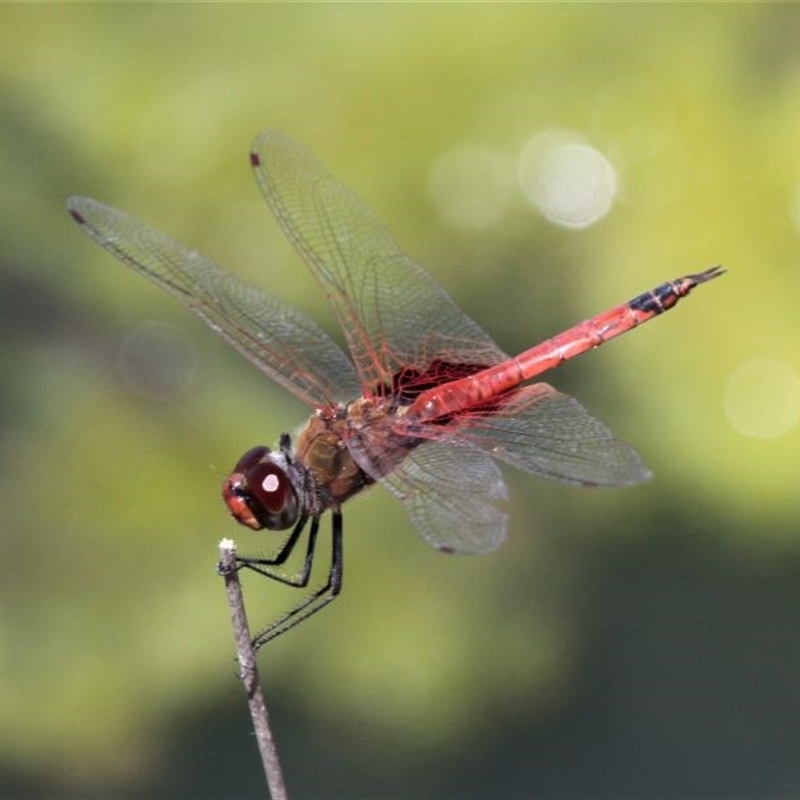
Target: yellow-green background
(635,642)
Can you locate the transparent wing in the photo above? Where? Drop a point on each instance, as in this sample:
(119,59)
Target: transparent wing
(451,487)
(392,312)
(450,492)
(550,434)
(283,343)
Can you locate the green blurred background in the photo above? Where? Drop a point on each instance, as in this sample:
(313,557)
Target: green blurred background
(626,643)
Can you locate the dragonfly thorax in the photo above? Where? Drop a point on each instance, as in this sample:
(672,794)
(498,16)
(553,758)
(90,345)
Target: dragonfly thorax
(322,450)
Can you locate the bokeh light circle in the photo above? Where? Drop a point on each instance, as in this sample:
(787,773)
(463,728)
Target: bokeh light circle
(762,399)
(570,182)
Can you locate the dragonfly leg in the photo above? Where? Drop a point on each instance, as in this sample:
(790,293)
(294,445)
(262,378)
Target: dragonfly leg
(320,597)
(266,566)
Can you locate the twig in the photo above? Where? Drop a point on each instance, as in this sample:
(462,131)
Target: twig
(249,671)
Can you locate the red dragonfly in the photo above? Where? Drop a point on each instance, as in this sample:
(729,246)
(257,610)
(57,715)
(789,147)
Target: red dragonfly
(425,403)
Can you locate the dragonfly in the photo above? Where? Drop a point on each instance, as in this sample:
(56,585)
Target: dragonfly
(425,404)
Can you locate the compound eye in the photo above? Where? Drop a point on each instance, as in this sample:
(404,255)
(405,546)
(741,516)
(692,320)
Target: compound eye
(259,493)
(270,486)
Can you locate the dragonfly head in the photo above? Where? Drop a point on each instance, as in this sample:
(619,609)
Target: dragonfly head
(259,492)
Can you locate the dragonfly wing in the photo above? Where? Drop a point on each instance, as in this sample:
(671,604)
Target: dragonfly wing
(393,313)
(282,342)
(451,492)
(550,434)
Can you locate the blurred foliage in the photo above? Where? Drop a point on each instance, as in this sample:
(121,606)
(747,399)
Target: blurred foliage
(630,642)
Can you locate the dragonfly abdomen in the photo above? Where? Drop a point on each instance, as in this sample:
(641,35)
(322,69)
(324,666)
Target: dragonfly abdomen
(462,394)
